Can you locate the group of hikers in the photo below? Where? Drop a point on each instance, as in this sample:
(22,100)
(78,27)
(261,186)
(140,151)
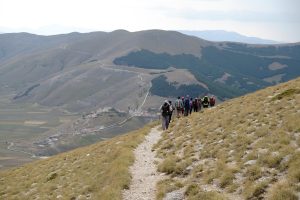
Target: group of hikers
(184,106)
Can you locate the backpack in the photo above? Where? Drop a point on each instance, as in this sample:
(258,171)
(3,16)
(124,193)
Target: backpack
(178,103)
(165,109)
(212,101)
(205,101)
(187,103)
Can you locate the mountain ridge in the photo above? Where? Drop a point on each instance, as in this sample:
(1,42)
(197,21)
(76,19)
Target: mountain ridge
(62,53)
(229,36)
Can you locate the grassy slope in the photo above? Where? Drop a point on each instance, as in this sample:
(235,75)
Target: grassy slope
(245,148)
(99,171)
(209,151)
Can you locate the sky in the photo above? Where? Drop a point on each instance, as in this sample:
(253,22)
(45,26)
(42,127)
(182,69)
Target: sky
(269,19)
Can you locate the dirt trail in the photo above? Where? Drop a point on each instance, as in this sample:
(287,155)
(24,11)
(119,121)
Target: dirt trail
(144,174)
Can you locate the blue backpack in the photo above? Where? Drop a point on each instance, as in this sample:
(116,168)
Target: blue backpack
(187,103)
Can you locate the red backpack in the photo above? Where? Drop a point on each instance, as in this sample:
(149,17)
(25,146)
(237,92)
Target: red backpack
(212,101)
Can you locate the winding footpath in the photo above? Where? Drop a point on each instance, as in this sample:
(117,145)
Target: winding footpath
(143,171)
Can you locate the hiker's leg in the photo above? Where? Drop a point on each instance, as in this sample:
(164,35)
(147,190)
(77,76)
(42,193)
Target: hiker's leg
(163,122)
(167,121)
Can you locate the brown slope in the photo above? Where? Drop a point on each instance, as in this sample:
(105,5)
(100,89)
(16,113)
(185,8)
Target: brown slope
(75,60)
(98,171)
(245,148)
(209,153)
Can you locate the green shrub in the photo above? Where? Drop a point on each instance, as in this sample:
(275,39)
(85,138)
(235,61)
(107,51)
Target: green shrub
(286,93)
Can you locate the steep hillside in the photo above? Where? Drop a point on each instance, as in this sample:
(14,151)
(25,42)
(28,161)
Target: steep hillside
(245,148)
(98,171)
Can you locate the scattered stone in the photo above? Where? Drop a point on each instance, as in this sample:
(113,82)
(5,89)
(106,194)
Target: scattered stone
(188,169)
(175,195)
(262,151)
(250,162)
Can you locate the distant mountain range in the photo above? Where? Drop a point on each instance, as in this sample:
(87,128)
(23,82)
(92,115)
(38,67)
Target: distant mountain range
(135,70)
(221,35)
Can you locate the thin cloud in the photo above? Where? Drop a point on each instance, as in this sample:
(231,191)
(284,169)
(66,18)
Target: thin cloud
(273,19)
(241,16)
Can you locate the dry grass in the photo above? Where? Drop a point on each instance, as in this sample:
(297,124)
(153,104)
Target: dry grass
(239,149)
(99,171)
(282,191)
(166,186)
(254,190)
(194,192)
(287,93)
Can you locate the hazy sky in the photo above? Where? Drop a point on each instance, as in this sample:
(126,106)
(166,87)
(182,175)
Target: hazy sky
(270,19)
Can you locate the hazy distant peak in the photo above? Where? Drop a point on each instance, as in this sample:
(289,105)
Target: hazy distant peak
(120,31)
(221,35)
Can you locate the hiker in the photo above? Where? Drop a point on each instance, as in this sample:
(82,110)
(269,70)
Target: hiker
(171,110)
(199,104)
(205,101)
(182,99)
(191,105)
(186,105)
(165,109)
(178,106)
(195,104)
(212,101)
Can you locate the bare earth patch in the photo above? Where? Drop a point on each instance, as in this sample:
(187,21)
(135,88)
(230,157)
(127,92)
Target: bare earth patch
(143,171)
(183,77)
(274,79)
(34,123)
(276,66)
(224,78)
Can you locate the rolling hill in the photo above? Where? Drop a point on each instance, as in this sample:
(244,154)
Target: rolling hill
(77,71)
(244,148)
